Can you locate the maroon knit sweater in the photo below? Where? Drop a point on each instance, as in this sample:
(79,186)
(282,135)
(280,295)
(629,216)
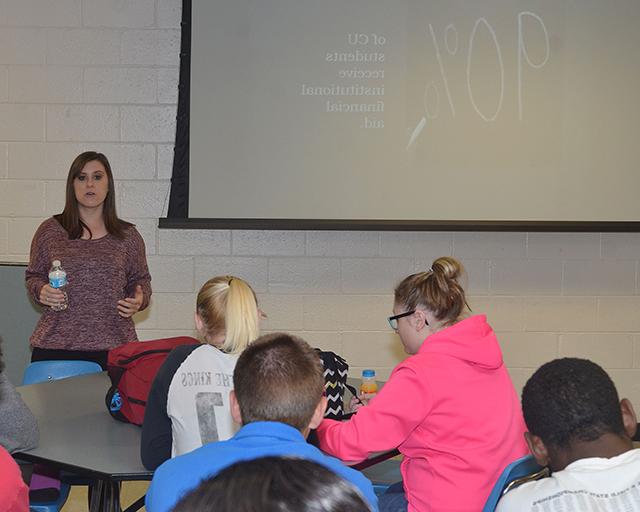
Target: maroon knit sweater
(99,273)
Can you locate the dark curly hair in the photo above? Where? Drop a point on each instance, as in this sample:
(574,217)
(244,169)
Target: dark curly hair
(571,399)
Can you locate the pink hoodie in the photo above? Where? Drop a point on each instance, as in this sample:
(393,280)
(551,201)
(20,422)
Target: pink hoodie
(453,413)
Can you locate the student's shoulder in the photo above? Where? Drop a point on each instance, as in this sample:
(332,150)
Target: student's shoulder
(310,452)
(511,502)
(174,360)
(179,354)
(354,476)
(413,371)
(131,237)
(187,470)
(339,467)
(522,498)
(177,476)
(179,471)
(183,351)
(50,228)
(50,223)
(198,355)
(207,357)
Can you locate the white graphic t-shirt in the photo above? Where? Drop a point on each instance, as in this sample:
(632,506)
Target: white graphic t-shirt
(198,399)
(587,485)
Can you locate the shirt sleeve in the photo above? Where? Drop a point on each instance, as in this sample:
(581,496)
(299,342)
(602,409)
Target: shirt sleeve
(18,426)
(37,273)
(14,494)
(509,504)
(138,271)
(157,438)
(391,416)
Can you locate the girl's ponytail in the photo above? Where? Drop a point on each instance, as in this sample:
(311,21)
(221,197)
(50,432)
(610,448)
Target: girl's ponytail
(242,322)
(228,304)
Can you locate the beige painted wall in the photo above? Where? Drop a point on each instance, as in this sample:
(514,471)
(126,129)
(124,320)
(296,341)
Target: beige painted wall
(102,74)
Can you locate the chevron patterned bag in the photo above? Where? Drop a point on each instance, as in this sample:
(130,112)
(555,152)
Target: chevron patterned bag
(335,382)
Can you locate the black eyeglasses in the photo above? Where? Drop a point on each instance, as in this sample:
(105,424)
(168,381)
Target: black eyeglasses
(393,320)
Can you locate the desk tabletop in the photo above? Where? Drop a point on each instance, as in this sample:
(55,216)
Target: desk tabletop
(77,432)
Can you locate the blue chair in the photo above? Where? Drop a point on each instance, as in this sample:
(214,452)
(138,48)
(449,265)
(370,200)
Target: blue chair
(51,506)
(42,371)
(522,470)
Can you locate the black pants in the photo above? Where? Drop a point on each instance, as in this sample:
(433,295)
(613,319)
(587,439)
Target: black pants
(47,354)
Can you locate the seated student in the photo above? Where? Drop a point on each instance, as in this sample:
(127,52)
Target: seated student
(18,426)
(274,484)
(450,407)
(19,432)
(582,431)
(277,397)
(188,403)
(14,494)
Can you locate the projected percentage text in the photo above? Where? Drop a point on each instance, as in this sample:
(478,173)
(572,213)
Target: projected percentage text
(448,47)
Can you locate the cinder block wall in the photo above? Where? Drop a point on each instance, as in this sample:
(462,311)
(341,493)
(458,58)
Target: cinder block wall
(102,74)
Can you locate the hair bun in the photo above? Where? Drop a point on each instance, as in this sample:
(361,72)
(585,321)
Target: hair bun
(439,289)
(450,268)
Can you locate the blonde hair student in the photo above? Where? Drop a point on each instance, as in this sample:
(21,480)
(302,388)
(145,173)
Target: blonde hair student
(450,407)
(188,404)
(227,313)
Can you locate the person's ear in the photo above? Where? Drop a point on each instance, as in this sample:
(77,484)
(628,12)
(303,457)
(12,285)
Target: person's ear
(420,320)
(537,448)
(629,419)
(198,321)
(235,407)
(318,414)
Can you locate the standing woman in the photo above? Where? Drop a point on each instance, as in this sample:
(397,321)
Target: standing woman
(107,274)
(450,407)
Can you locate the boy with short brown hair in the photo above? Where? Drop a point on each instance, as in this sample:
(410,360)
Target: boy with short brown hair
(278,398)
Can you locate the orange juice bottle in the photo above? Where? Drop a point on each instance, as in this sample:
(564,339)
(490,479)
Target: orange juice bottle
(369,387)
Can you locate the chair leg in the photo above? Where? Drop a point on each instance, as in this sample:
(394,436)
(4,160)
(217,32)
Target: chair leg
(115,496)
(105,496)
(111,503)
(95,494)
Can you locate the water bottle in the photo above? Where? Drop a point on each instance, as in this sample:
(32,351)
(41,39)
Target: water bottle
(369,387)
(58,280)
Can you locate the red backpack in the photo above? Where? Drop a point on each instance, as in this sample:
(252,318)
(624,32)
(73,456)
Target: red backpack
(132,368)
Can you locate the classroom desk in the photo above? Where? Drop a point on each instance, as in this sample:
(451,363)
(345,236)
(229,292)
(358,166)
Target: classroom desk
(78,434)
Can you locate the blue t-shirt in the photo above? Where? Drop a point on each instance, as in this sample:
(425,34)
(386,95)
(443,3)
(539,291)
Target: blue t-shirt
(177,476)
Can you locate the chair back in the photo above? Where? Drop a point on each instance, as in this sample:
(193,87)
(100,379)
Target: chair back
(42,371)
(521,470)
(51,506)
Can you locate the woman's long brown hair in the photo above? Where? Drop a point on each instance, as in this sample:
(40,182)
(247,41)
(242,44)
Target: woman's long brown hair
(70,220)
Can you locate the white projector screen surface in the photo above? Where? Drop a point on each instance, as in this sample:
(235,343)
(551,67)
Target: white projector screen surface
(486,110)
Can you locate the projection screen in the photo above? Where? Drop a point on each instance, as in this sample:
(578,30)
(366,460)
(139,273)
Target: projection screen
(376,111)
